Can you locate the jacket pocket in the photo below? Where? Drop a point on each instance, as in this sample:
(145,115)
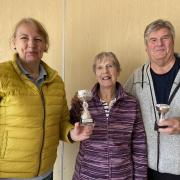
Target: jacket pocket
(3,145)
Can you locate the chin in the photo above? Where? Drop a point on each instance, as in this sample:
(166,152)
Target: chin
(107,86)
(32,59)
(161,57)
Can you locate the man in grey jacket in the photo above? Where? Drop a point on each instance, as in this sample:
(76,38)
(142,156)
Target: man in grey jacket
(158,82)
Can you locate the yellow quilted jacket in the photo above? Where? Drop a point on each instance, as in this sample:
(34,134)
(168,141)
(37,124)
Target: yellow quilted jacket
(32,121)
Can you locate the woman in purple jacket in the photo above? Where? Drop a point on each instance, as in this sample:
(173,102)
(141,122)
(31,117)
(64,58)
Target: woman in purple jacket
(116,149)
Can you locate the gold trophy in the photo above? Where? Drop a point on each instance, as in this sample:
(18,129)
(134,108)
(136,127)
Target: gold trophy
(162,109)
(85,96)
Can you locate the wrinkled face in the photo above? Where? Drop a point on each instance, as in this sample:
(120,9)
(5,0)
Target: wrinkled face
(106,73)
(28,43)
(160,45)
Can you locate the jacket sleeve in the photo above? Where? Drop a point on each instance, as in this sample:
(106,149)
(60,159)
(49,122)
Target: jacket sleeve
(65,125)
(139,148)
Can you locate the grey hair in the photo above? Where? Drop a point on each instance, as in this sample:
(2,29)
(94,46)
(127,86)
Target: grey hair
(156,25)
(106,56)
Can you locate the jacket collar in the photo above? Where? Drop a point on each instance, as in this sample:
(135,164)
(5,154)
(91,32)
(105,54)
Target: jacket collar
(51,74)
(120,93)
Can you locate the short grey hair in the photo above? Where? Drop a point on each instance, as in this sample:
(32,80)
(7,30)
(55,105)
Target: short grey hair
(156,25)
(106,56)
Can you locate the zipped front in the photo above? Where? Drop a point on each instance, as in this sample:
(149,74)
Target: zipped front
(43,125)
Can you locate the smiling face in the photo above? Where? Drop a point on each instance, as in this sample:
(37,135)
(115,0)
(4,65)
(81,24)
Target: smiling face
(106,73)
(29,44)
(160,46)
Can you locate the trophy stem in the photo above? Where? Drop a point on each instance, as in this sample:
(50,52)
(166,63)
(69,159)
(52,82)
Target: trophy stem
(161,118)
(85,106)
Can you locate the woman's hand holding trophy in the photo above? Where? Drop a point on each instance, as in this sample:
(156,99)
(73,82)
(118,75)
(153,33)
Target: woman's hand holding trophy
(86,124)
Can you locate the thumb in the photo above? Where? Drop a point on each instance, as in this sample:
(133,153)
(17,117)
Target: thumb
(75,131)
(76,126)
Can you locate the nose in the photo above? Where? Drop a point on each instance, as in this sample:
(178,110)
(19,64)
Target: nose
(160,42)
(31,43)
(105,69)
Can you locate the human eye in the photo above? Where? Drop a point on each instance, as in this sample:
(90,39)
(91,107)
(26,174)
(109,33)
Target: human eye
(23,37)
(98,67)
(38,39)
(167,37)
(152,40)
(109,66)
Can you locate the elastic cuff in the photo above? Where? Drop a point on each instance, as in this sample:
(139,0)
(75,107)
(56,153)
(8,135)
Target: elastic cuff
(69,137)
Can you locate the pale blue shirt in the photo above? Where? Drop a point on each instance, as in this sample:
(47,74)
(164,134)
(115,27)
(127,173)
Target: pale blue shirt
(40,79)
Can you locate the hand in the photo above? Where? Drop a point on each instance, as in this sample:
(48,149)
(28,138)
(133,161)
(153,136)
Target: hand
(80,133)
(173,126)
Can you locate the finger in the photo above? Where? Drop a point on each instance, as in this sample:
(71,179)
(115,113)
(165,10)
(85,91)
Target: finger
(165,131)
(84,137)
(88,131)
(77,127)
(168,130)
(89,126)
(164,123)
(77,124)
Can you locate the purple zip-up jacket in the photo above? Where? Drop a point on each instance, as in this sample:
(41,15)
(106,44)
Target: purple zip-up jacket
(116,149)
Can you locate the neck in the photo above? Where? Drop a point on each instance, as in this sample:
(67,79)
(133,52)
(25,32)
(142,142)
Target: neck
(107,94)
(163,68)
(32,68)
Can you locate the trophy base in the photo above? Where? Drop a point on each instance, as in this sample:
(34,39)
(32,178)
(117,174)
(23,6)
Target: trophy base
(86,122)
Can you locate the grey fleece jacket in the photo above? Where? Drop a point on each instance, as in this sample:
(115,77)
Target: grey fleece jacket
(141,87)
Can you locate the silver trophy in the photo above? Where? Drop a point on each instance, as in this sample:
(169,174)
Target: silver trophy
(85,96)
(162,109)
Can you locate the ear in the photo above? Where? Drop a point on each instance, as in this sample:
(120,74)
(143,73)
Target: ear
(13,45)
(96,76)
(46,48)
(146,48)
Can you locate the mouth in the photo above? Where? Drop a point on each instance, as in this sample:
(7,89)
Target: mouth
(160,50)
(31,53)
(106,78)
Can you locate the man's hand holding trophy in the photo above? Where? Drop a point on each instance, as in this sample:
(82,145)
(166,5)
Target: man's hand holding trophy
(169,125)
(162,110)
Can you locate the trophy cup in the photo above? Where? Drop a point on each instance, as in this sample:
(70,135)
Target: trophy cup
(85,96)
(162,109)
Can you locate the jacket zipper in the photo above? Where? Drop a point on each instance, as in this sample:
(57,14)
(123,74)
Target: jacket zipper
(43,124)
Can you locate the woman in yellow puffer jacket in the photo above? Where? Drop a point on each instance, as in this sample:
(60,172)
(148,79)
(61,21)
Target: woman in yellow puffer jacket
(33,110)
